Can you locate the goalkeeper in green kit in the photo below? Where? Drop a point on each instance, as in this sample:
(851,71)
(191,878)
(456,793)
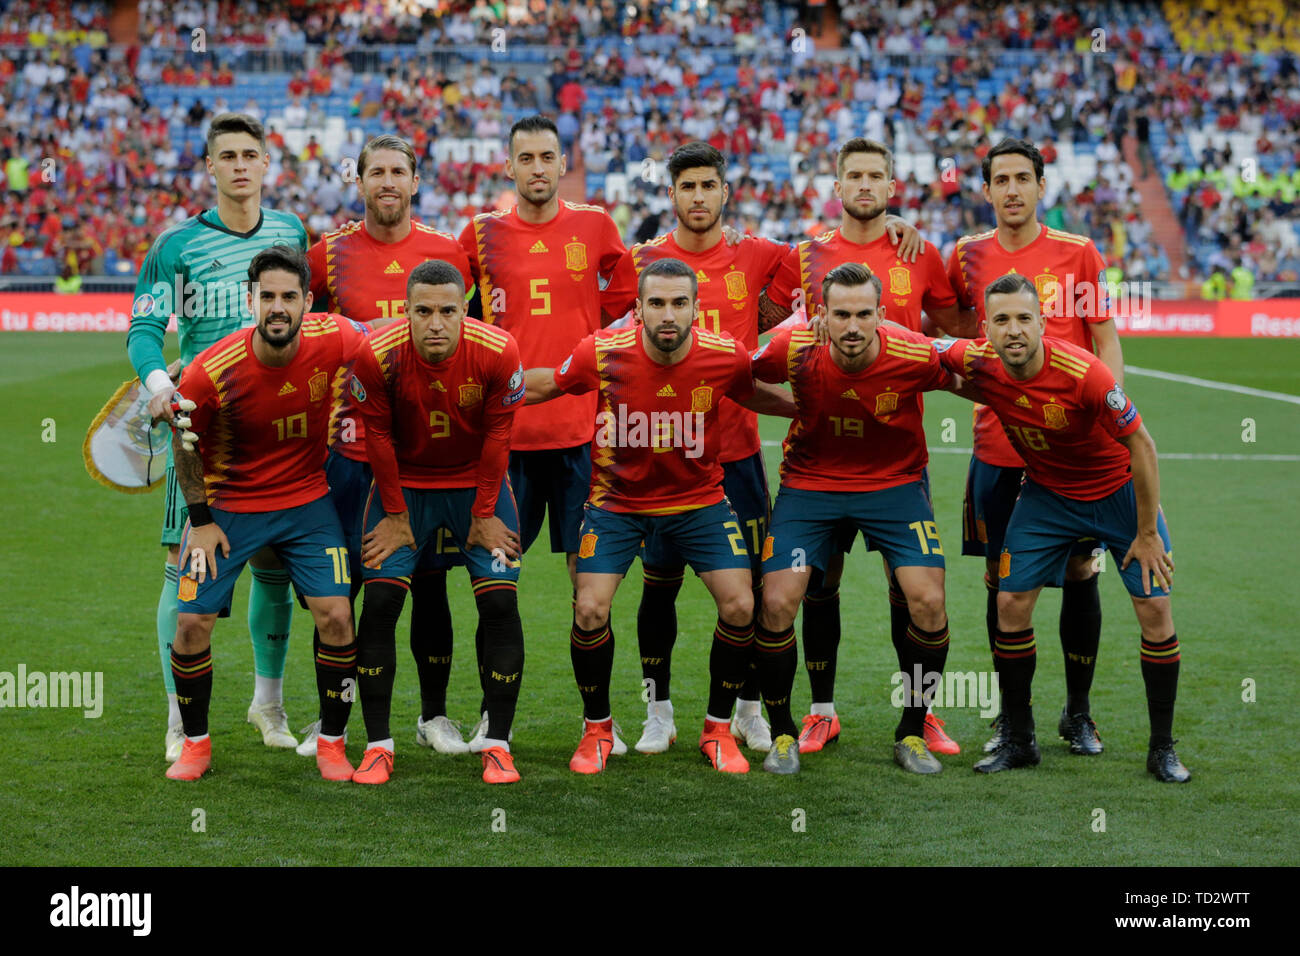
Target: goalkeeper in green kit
(198,271)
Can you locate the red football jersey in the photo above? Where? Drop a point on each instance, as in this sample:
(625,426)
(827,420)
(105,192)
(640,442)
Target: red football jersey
(365,279)
(443,425)
(730,279)
(855,431)
(541,284)
(262,430)
(907,287)
(1065,420)
(1068,272)
(656,445)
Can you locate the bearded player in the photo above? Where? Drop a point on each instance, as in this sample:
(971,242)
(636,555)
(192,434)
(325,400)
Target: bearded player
(261,405)
(538,268)
(360,271)
(913,291)
(1067,270)
(856,452)
(1090,473)
(198,272)
(729,277)
(657,479)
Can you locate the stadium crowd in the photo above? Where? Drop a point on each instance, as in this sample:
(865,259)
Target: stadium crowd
(93,168)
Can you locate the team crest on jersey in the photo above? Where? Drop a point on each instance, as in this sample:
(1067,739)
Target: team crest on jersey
(587,548)
(1004,564)
(702,398)
(575,257)
(317,385)
(358,390)
(900,281)
(470,394)
(736,288)
(189,588)
(768,543)
(1047,287)
(1054,417)
(886,403)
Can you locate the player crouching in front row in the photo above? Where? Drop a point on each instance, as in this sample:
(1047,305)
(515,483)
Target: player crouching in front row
(439,394)
(1090,472)
(261,401)
(855,454)
(656,478)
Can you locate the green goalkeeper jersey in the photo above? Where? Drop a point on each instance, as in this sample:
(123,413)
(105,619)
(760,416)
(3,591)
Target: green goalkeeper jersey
(198,271)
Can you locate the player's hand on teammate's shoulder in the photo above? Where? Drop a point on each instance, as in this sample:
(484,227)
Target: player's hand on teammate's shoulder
(492,535)
(392,532)
(821,328)
(906,236)
(732,235)
(1148,550)
(201,551)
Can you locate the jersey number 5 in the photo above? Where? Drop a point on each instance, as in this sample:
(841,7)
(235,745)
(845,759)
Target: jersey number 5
(537,290)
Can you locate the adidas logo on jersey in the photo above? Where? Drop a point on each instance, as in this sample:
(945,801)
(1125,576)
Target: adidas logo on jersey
(666,392)
(850,393)
(1022,402)
(393,269)
(287,388)
(701,277)
(214,264)
(438,385)
(539,246)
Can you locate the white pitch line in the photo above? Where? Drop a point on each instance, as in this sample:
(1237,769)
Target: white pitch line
(1208,383)
(1174,456)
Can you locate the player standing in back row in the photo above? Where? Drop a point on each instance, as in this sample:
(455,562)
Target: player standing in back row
(538,268)
(198,271)
(1068,273)
(864,184)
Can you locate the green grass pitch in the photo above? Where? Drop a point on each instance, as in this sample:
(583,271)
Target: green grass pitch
(81,573)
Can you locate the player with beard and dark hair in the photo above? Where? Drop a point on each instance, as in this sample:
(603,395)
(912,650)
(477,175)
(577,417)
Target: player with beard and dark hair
(260,402)
(729,277)
(864,184)
(656,478)
(1067,272)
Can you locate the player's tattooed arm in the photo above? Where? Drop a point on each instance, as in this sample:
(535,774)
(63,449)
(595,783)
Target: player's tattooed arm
(1106,339)
(189,472)
(1148,548)
(539,386)
(906,236)
(770,315)
(205,535)
(771,399)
